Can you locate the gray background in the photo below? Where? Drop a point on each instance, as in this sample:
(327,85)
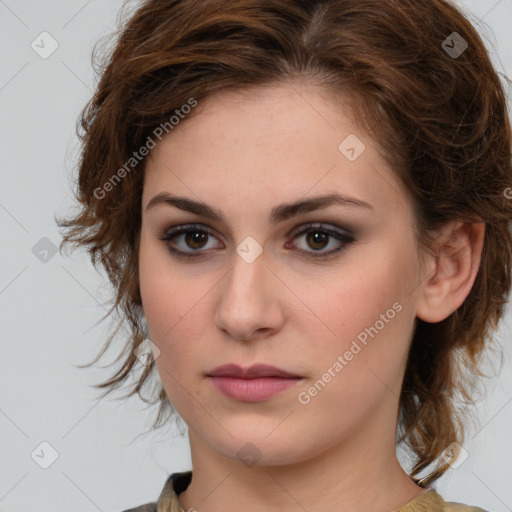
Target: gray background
(50,310)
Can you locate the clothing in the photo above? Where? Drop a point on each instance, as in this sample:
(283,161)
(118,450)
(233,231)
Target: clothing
(429,501)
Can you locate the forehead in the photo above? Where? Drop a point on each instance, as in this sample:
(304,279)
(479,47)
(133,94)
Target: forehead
(281,142)
(267,109)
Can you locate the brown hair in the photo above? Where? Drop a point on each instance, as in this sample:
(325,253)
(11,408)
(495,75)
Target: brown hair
(441,119)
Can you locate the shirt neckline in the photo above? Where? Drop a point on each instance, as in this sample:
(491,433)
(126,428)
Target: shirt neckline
(179,481)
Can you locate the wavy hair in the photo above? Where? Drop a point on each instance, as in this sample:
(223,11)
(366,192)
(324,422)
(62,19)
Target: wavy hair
(436,107)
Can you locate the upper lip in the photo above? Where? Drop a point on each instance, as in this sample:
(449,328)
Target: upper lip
(254,371)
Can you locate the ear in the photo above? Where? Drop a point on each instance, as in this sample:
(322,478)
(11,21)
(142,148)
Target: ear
(454,266)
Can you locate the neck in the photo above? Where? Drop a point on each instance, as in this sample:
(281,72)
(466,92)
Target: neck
(363,475)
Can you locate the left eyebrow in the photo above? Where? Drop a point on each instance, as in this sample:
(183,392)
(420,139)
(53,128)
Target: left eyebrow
(279,213)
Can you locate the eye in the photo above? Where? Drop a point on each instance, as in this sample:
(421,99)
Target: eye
(191,236)
(191,240)
(319,236)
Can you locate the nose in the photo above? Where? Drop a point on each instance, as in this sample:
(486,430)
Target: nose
(249,303)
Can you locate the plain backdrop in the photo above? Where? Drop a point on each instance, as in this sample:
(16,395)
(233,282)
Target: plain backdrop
(51,304)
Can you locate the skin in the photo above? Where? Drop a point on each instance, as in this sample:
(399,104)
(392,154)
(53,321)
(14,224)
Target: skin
(244,153)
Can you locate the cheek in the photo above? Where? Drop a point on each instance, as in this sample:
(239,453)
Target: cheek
(166,298)
(171,311)
(353,297)
(176,307)
(362,314)
(359,367)
(167,307)
(157,301)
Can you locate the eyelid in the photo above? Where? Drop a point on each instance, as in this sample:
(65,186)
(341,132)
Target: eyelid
(321,226)
(180,228)
(183,228)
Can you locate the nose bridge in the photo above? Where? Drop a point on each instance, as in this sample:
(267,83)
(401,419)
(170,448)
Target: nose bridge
(246,301)
(246,279)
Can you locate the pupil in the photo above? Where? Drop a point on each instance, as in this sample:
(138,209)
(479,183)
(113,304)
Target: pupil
(191,240)
(318,237)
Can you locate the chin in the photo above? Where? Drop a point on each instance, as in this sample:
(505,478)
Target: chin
(255,447)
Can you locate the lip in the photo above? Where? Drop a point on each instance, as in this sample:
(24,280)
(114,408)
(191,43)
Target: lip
(252,372)
(254,384)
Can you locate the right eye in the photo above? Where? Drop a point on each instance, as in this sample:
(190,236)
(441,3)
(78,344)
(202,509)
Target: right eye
(191,236)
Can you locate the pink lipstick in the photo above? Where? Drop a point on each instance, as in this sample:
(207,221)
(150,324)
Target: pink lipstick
(254,384)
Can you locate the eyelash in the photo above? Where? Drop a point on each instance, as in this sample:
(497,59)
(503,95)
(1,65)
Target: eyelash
(344,238)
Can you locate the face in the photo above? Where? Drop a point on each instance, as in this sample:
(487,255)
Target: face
(326,291)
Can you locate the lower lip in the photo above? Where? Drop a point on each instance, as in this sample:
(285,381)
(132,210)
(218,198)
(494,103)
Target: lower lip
(252,390)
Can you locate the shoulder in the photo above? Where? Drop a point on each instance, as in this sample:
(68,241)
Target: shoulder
(168,499)
(431,501)
(459,507)
(148,507)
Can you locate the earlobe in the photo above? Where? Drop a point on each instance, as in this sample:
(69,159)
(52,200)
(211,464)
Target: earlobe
(458,251)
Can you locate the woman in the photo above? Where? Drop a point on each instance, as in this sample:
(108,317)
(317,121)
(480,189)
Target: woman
(303,206)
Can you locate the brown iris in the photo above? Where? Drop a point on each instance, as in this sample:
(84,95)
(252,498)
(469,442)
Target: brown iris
(195,237)
(317,237)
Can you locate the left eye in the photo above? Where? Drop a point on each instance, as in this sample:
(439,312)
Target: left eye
(195,237)
(318,237)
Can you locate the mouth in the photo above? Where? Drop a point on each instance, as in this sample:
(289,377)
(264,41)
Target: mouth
(254,384)
(252,372)
(253,390)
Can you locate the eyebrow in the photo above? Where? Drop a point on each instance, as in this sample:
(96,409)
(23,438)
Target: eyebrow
(279,213)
